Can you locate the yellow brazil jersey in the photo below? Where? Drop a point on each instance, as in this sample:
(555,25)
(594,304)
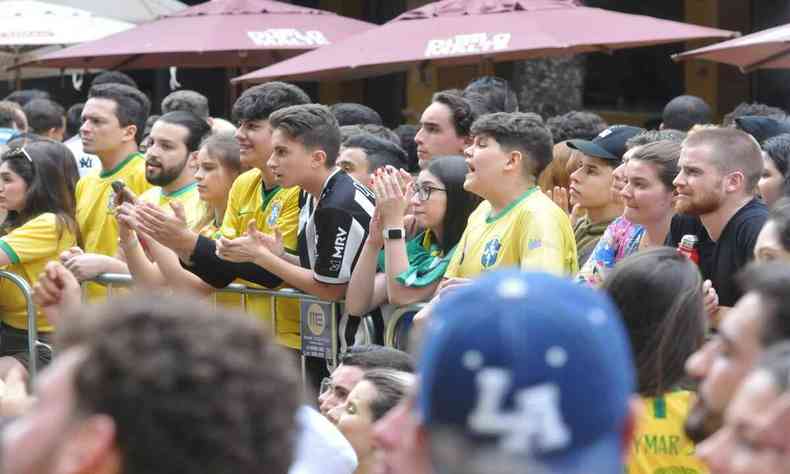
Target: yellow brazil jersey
(29,248)
(95,216)
(660,445)
(531,233)
(194,208)
(274,208)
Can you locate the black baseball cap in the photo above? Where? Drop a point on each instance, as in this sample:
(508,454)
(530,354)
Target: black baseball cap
(762,128)
(609,144)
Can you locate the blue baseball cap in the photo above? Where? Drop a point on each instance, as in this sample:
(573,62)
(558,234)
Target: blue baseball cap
(534,365)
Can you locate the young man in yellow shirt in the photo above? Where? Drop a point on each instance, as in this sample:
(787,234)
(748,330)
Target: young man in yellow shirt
(254,196)
(113,121)
(175,140)
(517,225)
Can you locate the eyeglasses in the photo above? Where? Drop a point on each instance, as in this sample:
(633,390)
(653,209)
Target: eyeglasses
(423,191)
(17,153)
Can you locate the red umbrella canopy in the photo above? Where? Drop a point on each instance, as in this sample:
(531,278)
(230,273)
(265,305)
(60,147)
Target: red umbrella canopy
(764,49)
(218,33)
(467,31)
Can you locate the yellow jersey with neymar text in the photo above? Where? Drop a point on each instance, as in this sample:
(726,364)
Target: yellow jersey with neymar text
(276,207)
(531,233)
(660,445)
(95,211)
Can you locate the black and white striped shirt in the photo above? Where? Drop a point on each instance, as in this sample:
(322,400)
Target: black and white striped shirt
(333,230)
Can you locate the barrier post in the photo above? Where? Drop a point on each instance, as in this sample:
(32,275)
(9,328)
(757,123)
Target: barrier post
(32,323)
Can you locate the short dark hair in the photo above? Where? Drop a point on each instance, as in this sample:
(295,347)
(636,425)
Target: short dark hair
(187,100)
(461,112)
(519,131)
(313,125)
(113,77)
(391,387)
(258,102)
(651,136)
(43,114)
(406,132)
(22,97)
(771,282)
(580,125)
(685,111)
(350,113)
(74,119)
(669,326)
(380,131)
(203,390)
(754,109)
(379,153)
(373,356)
(197,127)
(131,106)
(7,115)
(778,150)
(495,92)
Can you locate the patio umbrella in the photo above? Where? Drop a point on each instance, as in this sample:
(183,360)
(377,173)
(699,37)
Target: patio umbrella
(134,11)
(471,31)
(218,33)
(27,25)
(764,49)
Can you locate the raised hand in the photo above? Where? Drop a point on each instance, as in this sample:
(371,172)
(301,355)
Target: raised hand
(56,292)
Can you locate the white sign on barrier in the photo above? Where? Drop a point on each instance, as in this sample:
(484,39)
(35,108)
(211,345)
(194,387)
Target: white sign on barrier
(467,44)
(287,37)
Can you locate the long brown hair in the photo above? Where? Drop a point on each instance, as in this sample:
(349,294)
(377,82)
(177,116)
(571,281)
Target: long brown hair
(659,294)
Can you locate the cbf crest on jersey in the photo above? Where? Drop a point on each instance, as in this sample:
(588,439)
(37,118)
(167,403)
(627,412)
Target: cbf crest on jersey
(274,214)
(490,252)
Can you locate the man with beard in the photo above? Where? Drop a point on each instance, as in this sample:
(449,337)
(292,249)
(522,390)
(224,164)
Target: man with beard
(716,187)
(175,140)
(759,319)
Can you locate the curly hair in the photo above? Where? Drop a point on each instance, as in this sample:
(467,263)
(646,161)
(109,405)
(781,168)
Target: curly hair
(189,388)
(754,109)
(257,103)
(575,125)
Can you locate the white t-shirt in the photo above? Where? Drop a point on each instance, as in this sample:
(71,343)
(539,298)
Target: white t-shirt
(321,448)
(86,163)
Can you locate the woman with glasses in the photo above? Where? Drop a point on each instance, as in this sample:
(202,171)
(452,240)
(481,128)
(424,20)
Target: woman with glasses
(404,271)
(39,225)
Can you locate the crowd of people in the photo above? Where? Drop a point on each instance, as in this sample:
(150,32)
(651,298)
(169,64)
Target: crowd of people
(595,298)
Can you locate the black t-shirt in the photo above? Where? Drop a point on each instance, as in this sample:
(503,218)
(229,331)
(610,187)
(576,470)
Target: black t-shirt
(720,261)
(332,232)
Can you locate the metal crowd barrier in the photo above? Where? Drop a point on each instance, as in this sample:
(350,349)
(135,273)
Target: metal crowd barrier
(396,333)
(314,327)
(33,343)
